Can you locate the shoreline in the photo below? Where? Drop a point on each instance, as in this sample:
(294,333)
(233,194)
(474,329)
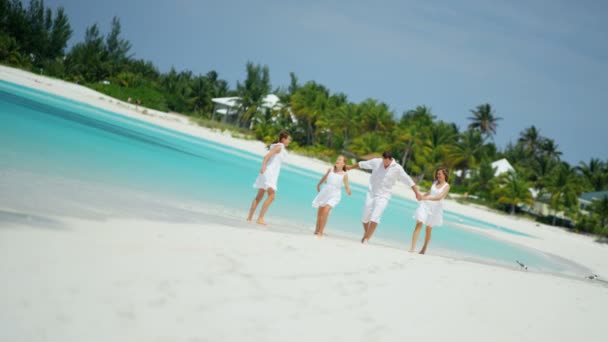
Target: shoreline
(103,275)
(182,124)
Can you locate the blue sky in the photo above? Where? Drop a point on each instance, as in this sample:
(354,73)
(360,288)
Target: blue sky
(538,62)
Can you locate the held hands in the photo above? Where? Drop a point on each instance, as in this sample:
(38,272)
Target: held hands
(419,196)
(263,169)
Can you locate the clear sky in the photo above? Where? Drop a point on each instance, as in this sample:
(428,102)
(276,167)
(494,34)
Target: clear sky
(538,62)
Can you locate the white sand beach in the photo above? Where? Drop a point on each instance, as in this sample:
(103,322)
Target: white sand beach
(129,279)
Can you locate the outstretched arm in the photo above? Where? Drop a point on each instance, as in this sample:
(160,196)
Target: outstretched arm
(368,164)
(405,178)
(271,153)
(323,180)
(438,197)
(417,192)
(346,186)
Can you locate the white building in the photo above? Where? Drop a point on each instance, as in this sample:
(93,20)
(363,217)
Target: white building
(501,166)
(228,107)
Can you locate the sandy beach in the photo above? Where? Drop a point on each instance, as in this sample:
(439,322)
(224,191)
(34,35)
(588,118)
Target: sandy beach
(140,279)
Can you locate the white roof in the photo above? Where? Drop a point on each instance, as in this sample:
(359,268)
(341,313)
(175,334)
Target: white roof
(502,166)
(533,192)
(222,111)
(270,101)
(227,101)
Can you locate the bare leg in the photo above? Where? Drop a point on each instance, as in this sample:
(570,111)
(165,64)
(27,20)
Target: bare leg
(319,214)
(324,216)
(365,227)
(427,238)
(265,206)
(415,236)
(255,203)
(370,230)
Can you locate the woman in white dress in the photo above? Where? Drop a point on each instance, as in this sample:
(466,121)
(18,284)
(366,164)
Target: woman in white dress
(331,193)
(430,210)
(269,175)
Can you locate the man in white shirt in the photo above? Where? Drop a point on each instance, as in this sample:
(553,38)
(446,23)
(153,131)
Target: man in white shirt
(385,173)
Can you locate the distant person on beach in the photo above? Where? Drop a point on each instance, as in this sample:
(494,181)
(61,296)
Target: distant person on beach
(385,172)
(269,175)
(330,195)
(129,99)
(430,210)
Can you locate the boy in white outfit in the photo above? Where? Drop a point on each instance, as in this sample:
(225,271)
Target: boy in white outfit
(385,173)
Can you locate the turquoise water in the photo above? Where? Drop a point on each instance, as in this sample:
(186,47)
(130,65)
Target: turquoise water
(52,136)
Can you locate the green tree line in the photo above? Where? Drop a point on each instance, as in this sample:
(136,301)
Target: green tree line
(323,123)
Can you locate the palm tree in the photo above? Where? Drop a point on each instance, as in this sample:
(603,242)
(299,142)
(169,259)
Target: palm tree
(467,152)
(548,148)
(252,92)
(219,87)
(541,169)
(481,179)
(145,69)
(199,98)
(370,142)
(600,207)
(345,121)
(484,120)
(308,103)
(564,187)
(436,147)
(594,173)
(516,153)
(376,116)
(531,139)
(513,190)
(332,120)
(9,50)
(412,130)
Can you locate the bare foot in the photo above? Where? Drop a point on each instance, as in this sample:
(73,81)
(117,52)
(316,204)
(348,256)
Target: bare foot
(411,251)
(261,222)
(364,241)
(422,252)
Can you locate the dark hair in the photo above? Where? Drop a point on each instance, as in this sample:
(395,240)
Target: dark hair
(387,155)
(444,171)
(343,167)
(282,135)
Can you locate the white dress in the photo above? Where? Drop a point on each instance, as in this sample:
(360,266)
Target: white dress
(331,192)
(269,178)
(430,213)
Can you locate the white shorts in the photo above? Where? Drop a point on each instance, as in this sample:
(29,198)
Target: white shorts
(374,207)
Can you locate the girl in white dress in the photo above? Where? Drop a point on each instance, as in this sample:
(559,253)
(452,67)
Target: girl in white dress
(269,175)
(331,193)
(430,210)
